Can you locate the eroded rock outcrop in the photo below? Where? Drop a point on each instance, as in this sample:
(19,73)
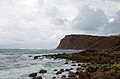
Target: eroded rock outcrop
(89,42)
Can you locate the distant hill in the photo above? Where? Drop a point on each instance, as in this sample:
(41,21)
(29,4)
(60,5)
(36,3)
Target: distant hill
(89,42)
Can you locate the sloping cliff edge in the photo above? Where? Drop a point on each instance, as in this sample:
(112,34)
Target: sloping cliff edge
(89,42)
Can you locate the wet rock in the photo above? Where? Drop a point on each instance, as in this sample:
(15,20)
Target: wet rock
(29,56)
(83,65)
(83,69)
(78,69)
(116,77)
(59,72)
(77,73)
(72,74)
(54,77)
(88,64)
(33,77)
(79,64)
(84,75)
(116,56)
(73,65)
(36,57)
(73,62)
(38,77)
(91,69)
(71,78)
(67,70)
(62,70)
(43,71)
(98,75)
(55,70)
(66,62)
(71,68)
(106,77)
(63,77)
(32,74)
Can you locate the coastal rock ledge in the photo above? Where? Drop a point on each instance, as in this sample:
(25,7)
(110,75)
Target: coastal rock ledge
(89,42)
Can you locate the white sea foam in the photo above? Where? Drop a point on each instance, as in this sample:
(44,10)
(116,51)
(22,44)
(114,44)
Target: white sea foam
(19,65)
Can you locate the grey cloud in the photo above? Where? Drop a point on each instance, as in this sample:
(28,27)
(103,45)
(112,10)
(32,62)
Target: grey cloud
(51,11)
(114,27)
(115,0)
(59,21)
(55,17)
(95,21)
(35,23)
(89,20)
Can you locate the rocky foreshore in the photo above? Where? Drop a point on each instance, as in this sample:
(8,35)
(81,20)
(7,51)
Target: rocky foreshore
(88,64)
(101,64)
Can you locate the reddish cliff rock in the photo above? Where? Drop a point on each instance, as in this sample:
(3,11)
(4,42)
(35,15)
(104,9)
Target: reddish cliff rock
(88,42)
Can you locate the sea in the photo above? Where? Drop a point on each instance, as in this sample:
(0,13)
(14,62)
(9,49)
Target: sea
(19,63)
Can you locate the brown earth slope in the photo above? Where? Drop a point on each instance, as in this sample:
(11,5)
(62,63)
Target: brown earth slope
(89,42)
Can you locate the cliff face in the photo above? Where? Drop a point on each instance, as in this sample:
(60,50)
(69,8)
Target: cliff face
(89,42)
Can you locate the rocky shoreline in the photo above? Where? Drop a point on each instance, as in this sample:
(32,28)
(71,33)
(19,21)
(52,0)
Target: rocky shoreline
(88,64)
(104,64)
(68,68)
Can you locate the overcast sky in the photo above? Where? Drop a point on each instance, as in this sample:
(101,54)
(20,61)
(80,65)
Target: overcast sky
(42,23)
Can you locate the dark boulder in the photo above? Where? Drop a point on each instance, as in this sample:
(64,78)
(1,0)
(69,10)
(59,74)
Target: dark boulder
(92,69)
(38,77)
(36,57)
(63,77)
(72,74)
(29,56)
(84,75)
(62,70)
(66,62)
(111,77)
(67,70)
(32,74)
(83,65)
(55,70)
(54,77)
(43,71)
(59,72)
(73,65)
(78,69)
(79,64)
(71,68)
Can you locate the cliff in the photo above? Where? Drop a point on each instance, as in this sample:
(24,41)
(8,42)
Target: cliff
(89,42)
